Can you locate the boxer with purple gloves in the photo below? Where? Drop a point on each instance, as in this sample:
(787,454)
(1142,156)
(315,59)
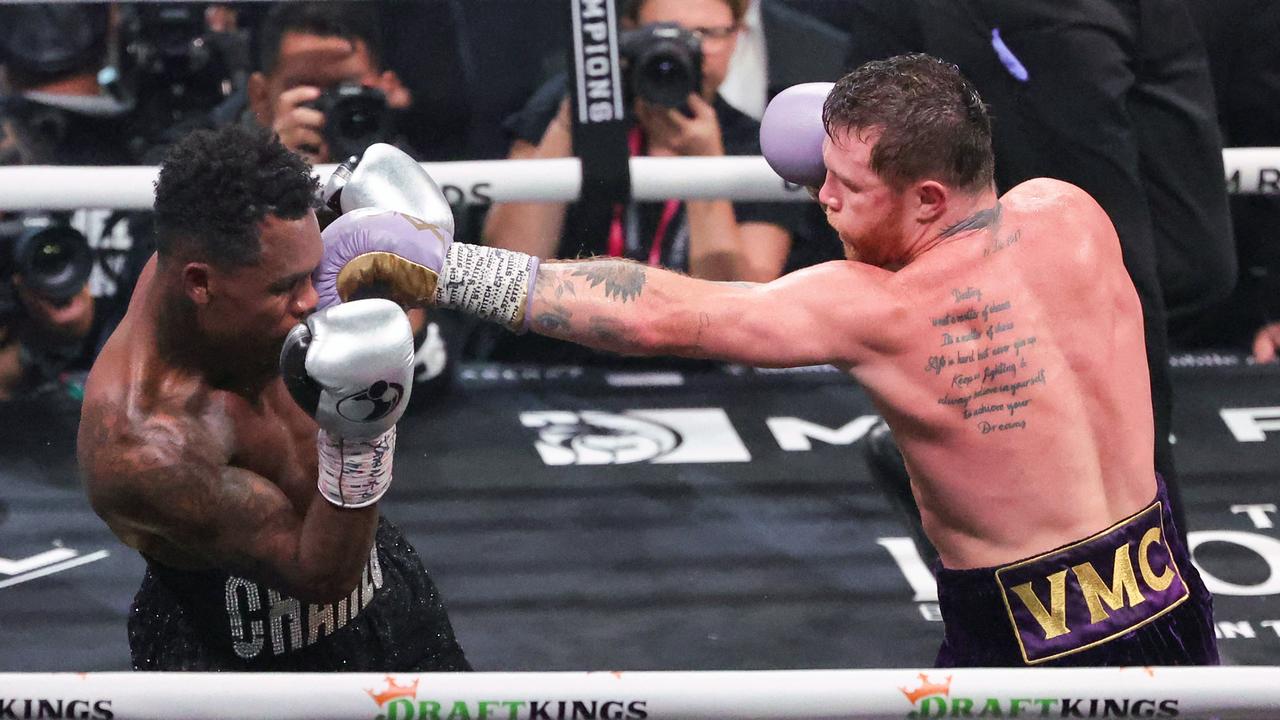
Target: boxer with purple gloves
(1000,337)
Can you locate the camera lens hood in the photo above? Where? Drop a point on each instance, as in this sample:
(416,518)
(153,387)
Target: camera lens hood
(54,261)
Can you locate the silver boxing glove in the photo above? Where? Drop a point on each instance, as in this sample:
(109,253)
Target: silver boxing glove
(351,367)
(386,177)
(492,284)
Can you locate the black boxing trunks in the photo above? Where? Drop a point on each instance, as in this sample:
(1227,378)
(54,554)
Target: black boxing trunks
(393,621)
(1128,595)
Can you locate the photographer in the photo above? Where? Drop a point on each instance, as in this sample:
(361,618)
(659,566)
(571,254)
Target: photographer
(49,322)
(53,109)
(62,275)
(320,83)
(322,87)
(712,239)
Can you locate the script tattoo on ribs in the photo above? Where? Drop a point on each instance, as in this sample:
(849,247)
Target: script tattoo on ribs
(991,367)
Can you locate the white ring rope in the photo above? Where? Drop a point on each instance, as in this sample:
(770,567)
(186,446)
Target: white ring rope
(1249,171)
(1228,693)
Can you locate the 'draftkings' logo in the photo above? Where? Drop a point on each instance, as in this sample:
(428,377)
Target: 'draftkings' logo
(935,700)
(400,702)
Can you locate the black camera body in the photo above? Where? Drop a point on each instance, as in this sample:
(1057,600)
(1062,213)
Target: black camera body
(175,69)
(355,117)
(661,63)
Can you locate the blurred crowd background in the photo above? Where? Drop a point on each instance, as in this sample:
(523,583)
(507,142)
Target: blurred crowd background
(1131,99)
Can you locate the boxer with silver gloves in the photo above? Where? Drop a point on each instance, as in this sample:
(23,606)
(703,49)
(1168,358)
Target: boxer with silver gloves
(351,368)
(999,335)
(240,440)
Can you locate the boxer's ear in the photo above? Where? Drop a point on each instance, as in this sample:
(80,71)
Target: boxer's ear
(930,198)
(195,282)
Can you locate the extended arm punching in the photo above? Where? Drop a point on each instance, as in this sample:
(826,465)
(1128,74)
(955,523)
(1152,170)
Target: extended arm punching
(397,237)
(609,304)
(628,308)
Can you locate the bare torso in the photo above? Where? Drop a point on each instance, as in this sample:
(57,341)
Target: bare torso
(1016,381)
(132,394)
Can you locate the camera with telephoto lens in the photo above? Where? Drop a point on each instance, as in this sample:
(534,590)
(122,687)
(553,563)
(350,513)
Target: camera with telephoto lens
(355,117)
(661,63)
(53,259)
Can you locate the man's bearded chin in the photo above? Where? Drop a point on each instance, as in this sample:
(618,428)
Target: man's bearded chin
(851,252)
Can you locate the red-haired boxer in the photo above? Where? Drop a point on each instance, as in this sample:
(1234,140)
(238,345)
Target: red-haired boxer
(257,515)
(1000,337)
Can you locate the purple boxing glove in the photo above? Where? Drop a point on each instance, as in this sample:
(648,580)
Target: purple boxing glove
(381,253)
(396,242)
(791,133)
(374,252)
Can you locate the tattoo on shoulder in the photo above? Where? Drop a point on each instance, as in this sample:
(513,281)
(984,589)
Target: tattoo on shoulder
(999,243)
(623,281)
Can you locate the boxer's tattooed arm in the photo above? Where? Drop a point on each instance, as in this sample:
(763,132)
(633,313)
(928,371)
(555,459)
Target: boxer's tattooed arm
(695,348)
(623,307)
(558,285)
(610,331)
(165,485)
(550,289)
(554,318)
(623,281)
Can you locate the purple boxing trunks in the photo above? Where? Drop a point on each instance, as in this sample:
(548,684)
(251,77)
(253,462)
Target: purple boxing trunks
(1128,595)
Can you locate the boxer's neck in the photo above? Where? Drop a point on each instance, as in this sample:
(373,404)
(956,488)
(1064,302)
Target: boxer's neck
(967,214)
(184,343)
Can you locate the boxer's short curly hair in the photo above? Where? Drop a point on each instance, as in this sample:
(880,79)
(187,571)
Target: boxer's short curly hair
(931,121)
(217,186)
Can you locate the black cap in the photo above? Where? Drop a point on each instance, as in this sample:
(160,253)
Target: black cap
(52,39)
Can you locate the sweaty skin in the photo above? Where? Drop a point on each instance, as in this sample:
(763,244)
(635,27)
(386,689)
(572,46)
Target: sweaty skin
(191,448)
(1005,349)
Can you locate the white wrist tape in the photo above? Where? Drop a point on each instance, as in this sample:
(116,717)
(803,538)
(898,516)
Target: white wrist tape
(355,473)
(491,283)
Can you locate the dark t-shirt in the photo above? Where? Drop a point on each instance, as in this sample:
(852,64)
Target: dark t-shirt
(641,222)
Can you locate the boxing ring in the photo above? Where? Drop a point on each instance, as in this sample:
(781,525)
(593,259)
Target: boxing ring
(1248,171)
(1202,693)
(854,694)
